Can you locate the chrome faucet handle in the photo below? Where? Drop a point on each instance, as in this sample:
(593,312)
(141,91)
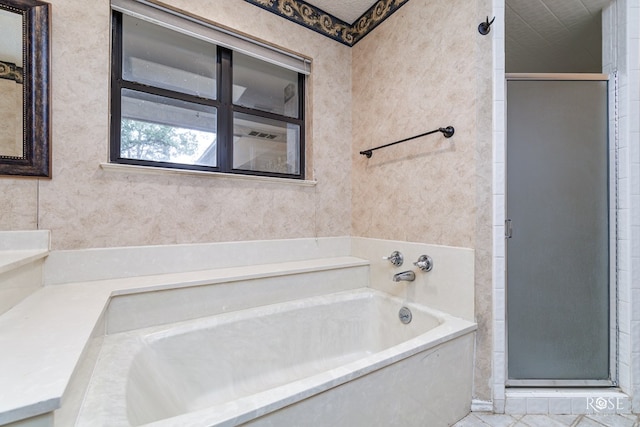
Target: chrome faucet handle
(424,263)
(395,258)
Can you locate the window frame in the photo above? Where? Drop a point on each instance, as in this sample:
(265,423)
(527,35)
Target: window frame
(225,110)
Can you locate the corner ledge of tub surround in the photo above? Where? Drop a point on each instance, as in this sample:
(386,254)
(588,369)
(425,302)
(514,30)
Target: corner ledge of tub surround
(10,260)
(152,170)
(162,282)
(18,248)
(83,265)
(45,336)
(42,340)
(22,255)
(448,287)
(27,414)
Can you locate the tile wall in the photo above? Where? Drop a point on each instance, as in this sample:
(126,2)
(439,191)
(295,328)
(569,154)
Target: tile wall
(499,170)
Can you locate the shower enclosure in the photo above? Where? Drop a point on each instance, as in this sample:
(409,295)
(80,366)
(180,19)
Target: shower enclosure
(558,257)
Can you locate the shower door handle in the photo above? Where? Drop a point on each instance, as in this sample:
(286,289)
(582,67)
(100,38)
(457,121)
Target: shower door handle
(508,229)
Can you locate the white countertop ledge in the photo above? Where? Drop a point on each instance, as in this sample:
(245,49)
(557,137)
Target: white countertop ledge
(10,260)
(43,337)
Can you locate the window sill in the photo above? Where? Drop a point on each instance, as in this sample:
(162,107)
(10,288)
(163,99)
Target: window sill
(115,167)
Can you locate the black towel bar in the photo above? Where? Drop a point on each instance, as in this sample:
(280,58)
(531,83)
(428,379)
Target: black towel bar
(447,132)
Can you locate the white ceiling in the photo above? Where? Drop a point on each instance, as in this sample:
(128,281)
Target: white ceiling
(553,35)
(347,10)
(541,35)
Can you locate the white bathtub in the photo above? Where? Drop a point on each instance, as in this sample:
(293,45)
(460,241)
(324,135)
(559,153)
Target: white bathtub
(340,359)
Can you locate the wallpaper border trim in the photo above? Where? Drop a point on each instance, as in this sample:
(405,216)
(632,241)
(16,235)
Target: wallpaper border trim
(316,19)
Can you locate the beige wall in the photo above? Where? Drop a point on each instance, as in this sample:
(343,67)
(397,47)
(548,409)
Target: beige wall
(18,204)
(428,67)
(85,206)
(424,67)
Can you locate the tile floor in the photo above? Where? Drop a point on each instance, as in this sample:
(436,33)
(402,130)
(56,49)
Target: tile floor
(480,419)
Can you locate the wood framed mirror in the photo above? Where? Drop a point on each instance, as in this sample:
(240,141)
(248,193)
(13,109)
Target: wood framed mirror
(24,88)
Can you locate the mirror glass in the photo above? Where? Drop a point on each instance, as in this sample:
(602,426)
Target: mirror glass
(11,85)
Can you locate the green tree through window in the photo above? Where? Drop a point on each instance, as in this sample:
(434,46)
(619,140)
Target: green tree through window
(156,142)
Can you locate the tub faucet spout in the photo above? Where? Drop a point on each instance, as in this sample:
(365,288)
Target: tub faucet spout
(407,276)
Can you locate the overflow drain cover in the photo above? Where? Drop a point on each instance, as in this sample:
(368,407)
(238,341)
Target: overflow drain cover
(405,315)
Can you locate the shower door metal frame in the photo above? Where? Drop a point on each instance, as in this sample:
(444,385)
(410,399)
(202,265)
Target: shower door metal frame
(612,144)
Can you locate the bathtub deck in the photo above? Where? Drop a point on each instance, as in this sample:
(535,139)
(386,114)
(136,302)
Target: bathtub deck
(45,336)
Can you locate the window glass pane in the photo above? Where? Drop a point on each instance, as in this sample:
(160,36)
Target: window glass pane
(265,145)
(167,130)
(160,57)
(264,86)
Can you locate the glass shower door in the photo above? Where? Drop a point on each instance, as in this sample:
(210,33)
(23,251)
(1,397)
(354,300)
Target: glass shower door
(558,220)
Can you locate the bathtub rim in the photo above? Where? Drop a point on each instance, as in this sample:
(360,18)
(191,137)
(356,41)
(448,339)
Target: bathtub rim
(244,409)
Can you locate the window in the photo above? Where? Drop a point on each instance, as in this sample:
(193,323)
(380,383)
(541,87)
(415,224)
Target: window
(180,99)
